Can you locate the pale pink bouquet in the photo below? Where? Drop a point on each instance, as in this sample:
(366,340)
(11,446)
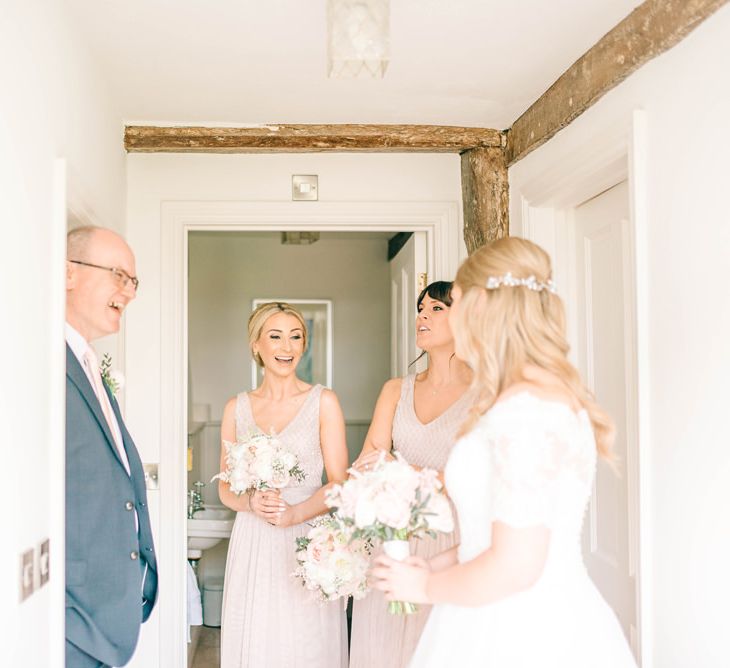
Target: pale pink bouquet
(392,503)
(331,562)
(259,462)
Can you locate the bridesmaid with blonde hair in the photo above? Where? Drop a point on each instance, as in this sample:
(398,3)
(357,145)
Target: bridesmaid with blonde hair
(269,619)
(417,416)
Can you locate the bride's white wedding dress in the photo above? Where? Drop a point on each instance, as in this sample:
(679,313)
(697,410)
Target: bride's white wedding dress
(527,462)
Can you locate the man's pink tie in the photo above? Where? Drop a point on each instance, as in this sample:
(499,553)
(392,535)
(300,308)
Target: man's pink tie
(98,384)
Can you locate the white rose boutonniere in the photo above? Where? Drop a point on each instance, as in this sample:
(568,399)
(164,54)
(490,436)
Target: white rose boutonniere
(113,378)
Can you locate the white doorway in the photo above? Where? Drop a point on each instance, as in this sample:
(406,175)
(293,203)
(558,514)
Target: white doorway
(439,223)
(603,308)
(587,212)
(340,283)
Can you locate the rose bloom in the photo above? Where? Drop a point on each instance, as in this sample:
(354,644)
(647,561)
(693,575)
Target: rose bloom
(402,478)
(235,454)
(279,479)
(365,509)
(288,460)
(393,509)
(262,465)
(258,444)
(323,576)
(345,497)
(240,480)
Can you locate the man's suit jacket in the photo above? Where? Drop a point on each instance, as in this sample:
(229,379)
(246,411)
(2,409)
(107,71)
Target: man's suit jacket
(106,555)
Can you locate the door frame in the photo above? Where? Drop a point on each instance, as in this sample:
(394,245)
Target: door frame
(567,175)
(442,223)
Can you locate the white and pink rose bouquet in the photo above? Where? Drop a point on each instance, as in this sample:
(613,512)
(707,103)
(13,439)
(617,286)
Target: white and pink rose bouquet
(331,562)
(259,462)
(392,503)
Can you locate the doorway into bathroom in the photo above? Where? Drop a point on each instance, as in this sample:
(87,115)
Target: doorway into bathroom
(436,228)
(357,292)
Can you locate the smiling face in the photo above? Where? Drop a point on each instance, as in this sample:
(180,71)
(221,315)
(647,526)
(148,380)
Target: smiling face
(281,344)
(432,324)
(96,298)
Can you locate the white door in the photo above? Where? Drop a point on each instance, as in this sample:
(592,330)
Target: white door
(605,326)
(408,276)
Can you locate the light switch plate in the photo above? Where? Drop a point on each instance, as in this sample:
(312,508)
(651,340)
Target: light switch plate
(304,187)
(44,558)
(27,578)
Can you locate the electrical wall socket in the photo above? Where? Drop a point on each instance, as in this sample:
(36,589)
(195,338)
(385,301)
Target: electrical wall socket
(44,562)
(151,478)
(34,569)
(27,575)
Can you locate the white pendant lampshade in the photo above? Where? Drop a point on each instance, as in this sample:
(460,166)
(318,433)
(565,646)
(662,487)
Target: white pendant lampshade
(359,38)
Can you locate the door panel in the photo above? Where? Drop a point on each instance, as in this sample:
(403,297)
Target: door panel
(605,324)
(406,268)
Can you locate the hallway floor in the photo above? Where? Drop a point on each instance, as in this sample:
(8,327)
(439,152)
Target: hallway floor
(208,650)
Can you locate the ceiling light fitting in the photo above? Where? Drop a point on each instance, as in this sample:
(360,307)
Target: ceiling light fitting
(299,238)
(359,38)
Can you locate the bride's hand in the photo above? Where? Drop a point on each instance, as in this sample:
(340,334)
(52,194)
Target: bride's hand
(413,560)
(401,580)
(267,504)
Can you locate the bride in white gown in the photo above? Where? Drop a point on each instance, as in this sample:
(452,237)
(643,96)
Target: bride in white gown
(515,592)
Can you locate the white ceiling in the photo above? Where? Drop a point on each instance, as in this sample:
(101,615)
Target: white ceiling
(453,62)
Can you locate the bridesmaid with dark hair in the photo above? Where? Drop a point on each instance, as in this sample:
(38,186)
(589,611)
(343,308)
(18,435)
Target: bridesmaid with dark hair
(418,416)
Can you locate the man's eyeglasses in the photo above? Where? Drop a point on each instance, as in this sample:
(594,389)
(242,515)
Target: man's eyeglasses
(123,278)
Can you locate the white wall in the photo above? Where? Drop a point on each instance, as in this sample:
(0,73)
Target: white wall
(53,104)
(686,96)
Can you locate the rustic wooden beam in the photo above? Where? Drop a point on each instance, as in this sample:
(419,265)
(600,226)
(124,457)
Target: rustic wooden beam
(485,194)
(309,138)
(651,29)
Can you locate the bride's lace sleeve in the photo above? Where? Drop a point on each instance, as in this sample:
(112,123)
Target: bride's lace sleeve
(533,462)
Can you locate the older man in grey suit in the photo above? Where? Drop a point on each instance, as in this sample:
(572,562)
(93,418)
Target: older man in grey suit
(111,569)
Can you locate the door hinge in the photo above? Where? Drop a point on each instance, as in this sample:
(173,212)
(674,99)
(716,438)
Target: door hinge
(422,281)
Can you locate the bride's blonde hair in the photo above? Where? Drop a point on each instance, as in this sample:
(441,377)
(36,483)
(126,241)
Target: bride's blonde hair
(501,330)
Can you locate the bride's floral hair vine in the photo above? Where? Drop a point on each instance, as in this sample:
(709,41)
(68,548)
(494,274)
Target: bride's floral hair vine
(531,283)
